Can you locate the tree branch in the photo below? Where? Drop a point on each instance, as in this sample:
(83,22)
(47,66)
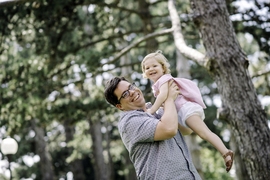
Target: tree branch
(179,40)
(12,2)
(140,40)
(260,73)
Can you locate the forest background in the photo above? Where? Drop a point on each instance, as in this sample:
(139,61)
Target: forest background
(56,57)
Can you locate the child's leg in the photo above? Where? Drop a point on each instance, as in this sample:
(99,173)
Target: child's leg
(184,130)
(199,127)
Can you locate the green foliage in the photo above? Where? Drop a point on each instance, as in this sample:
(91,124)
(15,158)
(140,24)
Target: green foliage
(253,20)
(56,55)
(213,165)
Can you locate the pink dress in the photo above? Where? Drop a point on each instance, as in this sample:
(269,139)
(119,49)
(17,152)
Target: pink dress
(189,91)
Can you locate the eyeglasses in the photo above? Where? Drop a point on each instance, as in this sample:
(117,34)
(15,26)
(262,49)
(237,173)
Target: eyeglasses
(126,93)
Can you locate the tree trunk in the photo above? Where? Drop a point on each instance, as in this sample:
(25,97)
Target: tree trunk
(46,168)
(146,17)
(130,173)
(195,152)
(241,107)
(76,165)
(239,166)
(101,170)
(110,165)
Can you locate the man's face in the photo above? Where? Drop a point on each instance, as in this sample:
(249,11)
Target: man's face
(133,101)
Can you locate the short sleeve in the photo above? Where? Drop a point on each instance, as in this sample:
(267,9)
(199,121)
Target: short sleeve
(136,127)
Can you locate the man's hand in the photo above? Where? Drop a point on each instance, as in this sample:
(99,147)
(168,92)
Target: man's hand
(173,90)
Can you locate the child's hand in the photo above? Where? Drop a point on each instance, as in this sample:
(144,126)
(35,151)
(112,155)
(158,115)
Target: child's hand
(148,105)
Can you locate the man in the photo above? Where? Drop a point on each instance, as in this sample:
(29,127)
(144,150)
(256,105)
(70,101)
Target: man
(156,146)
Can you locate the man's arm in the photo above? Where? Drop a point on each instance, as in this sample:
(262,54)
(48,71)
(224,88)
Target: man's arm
(168,124)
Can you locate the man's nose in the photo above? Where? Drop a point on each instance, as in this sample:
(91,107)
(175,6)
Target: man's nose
(131,91)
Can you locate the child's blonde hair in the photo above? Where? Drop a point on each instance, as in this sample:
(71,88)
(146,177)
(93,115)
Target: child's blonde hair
(160,58)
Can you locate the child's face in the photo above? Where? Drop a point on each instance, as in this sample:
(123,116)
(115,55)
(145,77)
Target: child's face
(153,69)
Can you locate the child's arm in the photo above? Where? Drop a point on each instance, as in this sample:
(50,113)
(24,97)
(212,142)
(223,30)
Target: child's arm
(161,97)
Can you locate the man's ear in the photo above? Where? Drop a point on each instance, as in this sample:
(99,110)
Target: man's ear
(119,106)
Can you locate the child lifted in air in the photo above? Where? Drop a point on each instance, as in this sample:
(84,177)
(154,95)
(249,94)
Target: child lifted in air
(189,103)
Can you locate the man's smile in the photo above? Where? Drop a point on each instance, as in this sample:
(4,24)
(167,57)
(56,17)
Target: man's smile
(136,97)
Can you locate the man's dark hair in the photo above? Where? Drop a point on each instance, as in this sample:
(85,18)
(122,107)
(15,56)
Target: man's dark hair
(110,88)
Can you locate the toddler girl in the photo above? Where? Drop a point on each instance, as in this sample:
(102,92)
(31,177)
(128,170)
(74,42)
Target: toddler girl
(189,104)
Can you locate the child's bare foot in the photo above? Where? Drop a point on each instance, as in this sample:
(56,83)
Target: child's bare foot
(228,158)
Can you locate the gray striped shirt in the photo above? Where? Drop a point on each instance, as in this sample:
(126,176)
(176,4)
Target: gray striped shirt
(154,160)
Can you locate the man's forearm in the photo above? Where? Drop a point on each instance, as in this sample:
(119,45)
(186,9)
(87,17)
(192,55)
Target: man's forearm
(170,117)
